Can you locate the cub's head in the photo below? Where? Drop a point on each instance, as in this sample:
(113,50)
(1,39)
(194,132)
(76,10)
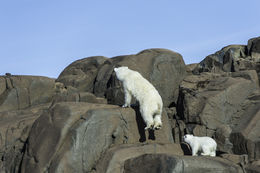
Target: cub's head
(121,72)
(187,138)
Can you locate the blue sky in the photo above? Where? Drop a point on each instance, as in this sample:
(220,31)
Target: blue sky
(42,37)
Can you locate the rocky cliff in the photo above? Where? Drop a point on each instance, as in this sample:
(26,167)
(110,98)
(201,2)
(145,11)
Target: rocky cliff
(75,123)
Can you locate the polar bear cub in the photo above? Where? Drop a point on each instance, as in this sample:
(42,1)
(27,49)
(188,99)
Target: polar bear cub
(205,144)
(150,101)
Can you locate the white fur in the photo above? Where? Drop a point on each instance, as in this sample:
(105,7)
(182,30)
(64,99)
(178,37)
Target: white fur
(205,144)
(148,97)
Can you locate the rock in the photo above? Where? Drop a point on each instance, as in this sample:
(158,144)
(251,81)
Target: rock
(14,131)
(245,136)
(81,74)
(114,159)
(191,67)
(223,60)
(253,48)
(233,58)
(253,167)
(71,94)
(72,136)
(153,163)
(238,159)
(223,137)
(163,68)
(19,92)
(213,99)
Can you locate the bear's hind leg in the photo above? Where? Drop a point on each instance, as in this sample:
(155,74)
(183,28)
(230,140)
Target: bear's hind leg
(157,122)
(147,117)
(205,151)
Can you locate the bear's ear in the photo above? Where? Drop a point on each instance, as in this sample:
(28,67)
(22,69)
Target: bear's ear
(115,69)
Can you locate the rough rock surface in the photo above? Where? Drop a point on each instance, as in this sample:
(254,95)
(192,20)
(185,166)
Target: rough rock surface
(19,92)
(72,136)
(14,131)
(153,163)
(113,161)
(75,124)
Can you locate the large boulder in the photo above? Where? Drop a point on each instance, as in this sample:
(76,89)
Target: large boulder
(14,131)
(167,163)
(253,48)
(163,68)
(213,104)
(19,92)
(213,99)
(71,136)
(245,136)
(113,161)
(233,58)
(223,60)
(81,74)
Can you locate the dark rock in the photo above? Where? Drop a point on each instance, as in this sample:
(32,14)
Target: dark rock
(71,94)
(81,74)
(14,131)
(73,136)
(167,163)
(238,159)
(253,167)
(213,99)
(245,136)
(223,60)
(253,48)
(233,58)
(223,137)
(114,159)
(19,92)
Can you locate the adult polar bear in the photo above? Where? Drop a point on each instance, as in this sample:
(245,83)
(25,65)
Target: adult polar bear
(205,144)
(148,97)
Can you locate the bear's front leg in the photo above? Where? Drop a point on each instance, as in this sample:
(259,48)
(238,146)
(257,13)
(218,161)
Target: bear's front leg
(195,149)
(128,98)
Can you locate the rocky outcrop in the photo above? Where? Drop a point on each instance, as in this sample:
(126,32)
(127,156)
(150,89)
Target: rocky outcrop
(75,124)
(71,136)
(153,163)
(163,68)
(114,160)
(19,92)
(15,127)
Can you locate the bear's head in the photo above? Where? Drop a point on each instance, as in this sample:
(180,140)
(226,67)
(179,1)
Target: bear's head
(187,138)
(121,72)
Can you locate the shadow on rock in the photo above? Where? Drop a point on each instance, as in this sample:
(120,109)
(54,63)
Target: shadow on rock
(186,149)
(141,125)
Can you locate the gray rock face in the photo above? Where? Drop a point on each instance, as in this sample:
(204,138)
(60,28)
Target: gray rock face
(19,92)
(71,136)
(215,99)
(233,58)
(81,74)
(115,158)
(254,48)
(153,163)
(15,127)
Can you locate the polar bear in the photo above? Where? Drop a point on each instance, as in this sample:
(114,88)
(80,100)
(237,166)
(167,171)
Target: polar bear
(205,144)
(148,97)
